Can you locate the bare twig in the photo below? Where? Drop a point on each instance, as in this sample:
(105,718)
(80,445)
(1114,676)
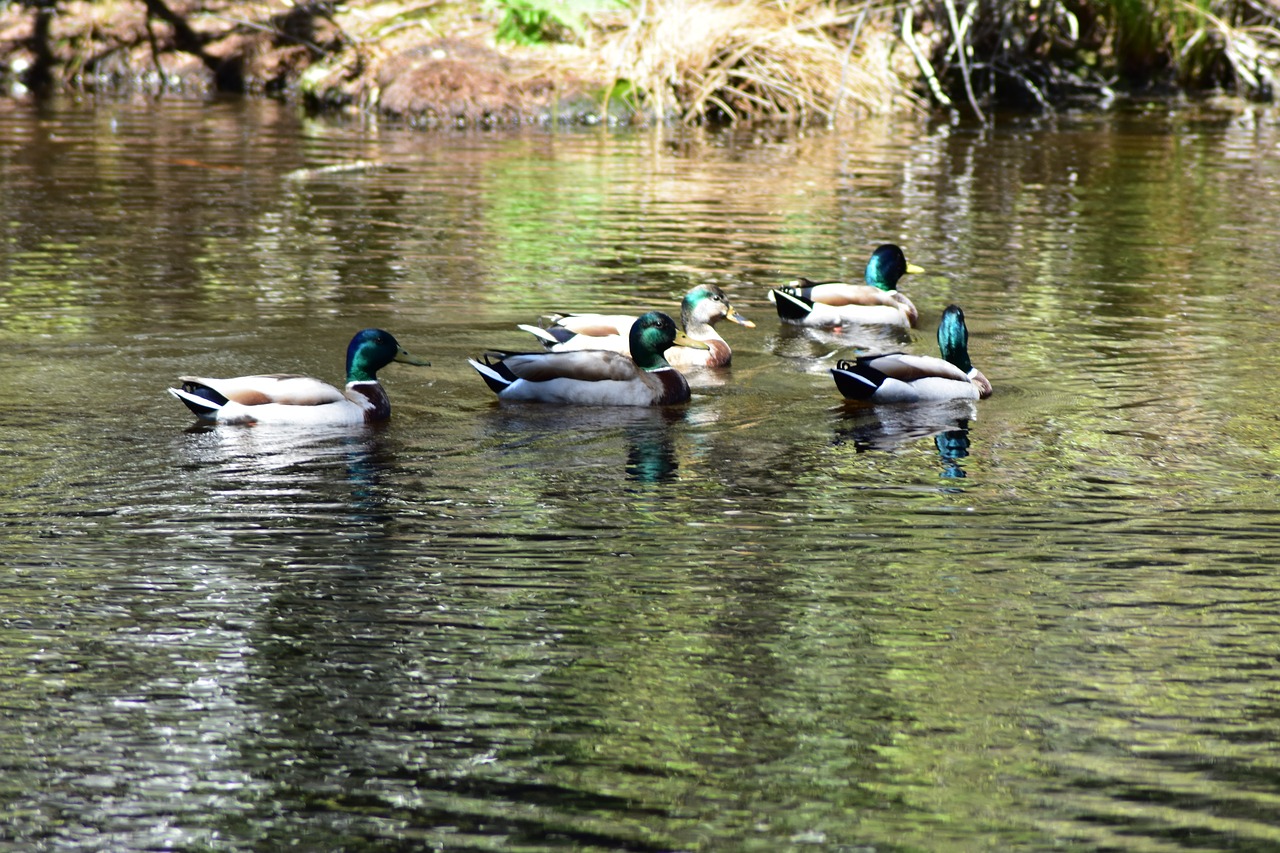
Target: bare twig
(275,31)
(155,55)
(922,61)
(958,33)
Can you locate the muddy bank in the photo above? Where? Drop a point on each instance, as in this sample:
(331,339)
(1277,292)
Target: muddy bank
(431,64)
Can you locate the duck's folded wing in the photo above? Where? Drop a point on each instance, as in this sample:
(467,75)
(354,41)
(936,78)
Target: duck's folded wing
(596,325)
(586,366)
(284,388)
(837,293)
(911,367)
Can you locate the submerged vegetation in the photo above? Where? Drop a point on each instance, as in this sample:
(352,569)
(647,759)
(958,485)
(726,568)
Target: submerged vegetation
(498,61)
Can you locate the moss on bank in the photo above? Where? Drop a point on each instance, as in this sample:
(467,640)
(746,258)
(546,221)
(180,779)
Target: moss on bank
(514,61)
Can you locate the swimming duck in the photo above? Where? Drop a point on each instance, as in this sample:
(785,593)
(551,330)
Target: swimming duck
(701,308)
(901,378)
(830,304)
(595,377)
(300,400)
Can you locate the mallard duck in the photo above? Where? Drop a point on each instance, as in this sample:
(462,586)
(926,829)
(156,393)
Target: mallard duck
(292,399)
(832,303)
(595,377)
(701,308)
(901,378)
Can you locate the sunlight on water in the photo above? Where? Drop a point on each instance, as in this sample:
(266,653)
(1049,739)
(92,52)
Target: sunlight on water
(767,620)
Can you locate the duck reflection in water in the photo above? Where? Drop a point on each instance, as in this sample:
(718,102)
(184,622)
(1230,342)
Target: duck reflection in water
(307,466)
(816,350)
(886,428)
(953,445)
(648,434)
(651,452)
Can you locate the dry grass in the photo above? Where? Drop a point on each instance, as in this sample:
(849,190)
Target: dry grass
(804,61)
(693,60)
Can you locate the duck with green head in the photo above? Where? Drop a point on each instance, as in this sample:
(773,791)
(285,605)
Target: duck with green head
(287,398)
(595,377)
(833,304)
(702,307)
(902,378)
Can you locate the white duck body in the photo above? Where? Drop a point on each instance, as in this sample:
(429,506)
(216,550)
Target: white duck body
(285,398)
(834,304)
(904,378)
(910,379)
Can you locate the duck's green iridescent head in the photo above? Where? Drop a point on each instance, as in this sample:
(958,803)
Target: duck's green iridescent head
(653,334)
(886,265)
(370,351)
(707,303)
(953,338)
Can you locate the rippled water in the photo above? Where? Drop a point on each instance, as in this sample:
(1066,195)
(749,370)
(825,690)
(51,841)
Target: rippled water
(759,622)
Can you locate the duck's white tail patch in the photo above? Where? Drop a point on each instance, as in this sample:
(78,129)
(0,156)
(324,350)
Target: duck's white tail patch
(539,333)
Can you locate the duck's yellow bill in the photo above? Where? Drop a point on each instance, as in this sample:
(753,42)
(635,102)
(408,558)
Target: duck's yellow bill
(683,340)
(404,358)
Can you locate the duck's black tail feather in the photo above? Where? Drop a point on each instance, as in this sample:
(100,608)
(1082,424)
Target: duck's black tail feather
(200,399)
(495,374)
(790,305)
(857,380)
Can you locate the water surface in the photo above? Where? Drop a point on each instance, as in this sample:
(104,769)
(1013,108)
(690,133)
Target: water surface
(763,621)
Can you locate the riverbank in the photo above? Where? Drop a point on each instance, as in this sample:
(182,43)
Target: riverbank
(517,61)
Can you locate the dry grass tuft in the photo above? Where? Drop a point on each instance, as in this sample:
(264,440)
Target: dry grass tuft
(804,61)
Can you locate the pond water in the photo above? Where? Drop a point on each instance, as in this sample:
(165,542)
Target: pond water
(762,621)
